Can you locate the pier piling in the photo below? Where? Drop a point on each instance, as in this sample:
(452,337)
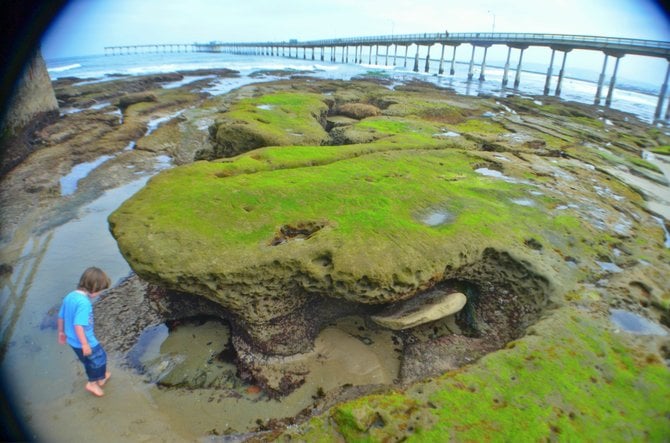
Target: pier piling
(483,66)
(427,66)
(416,59)
(452,71)
(517,77)
(504,79)
(557,93)
(440,70)
(661,95)
(608,100)
(547,82)
(601,79)
(472,61)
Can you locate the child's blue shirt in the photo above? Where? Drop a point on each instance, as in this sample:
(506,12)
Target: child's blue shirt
(77,310)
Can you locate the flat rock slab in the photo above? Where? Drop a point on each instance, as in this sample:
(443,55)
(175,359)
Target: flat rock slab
(421,309)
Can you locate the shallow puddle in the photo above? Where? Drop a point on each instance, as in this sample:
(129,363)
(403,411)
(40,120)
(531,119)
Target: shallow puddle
(436,218)
(196,353)
(635,324)
(68,183)
(609,267)
(486,172)
(193,353)
(523,202)
(665,231)
(154,124)
(447,134)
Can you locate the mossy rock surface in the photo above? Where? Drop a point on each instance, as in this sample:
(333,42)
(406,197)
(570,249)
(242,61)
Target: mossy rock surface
(216,228)
(359,224)
(280,119)
(662,150)
(358,110)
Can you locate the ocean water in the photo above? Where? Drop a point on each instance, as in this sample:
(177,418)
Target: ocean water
(639,99)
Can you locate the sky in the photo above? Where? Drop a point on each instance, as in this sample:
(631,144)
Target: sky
(85,27)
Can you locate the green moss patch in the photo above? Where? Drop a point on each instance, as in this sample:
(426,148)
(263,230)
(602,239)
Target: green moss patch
(645,164)
(663,150)
(279,119)
(481,127)
(221,218)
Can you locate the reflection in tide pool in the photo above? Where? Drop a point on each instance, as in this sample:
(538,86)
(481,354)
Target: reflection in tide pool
(68,183)
(40,370)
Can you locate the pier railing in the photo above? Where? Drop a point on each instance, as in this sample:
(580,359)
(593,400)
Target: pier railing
(652,48)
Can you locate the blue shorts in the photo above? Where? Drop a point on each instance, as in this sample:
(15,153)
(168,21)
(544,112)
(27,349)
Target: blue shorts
(95,364)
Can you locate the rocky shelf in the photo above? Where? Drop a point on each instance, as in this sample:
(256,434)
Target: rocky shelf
(306,201)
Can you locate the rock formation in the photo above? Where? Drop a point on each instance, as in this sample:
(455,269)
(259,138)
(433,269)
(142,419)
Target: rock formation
(481,195)
(432,306)
(33,104)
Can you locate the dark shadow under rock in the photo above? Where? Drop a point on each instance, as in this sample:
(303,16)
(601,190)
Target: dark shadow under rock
(134,305)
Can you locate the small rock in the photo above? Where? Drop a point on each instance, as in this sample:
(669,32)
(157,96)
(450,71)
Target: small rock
(253,389)
(422,309)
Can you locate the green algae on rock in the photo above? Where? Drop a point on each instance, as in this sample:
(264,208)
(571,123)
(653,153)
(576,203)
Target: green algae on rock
(271,120)
(197,231)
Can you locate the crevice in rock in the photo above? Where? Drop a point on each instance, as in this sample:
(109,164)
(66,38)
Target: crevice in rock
(298,231)
(483,164)
(533,244)
(504,297)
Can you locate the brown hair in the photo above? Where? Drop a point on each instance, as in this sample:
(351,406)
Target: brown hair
(94,280)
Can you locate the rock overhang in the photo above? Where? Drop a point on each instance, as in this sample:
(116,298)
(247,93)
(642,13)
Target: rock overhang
(363,207)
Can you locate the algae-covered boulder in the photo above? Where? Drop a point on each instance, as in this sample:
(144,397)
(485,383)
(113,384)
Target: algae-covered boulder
(369,229)
(138,97)
(358,110)
(536,215)
(281,119)
(270,233)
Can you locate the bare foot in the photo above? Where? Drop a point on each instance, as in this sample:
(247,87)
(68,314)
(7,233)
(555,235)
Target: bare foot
(102,382)
(94,389)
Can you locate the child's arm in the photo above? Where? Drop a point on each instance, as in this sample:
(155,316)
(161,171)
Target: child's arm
(61,334)
(85,348)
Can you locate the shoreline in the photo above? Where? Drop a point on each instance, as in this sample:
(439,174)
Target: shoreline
(531,87)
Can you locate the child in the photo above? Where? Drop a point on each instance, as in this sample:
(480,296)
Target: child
(75,326)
